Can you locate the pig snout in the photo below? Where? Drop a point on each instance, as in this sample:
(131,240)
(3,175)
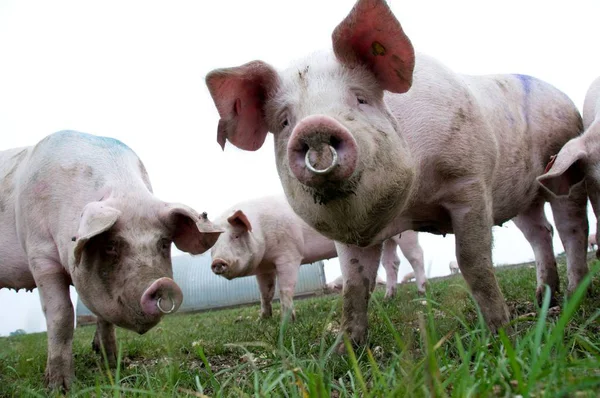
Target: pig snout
(321,150)
(219,266)
(162,297)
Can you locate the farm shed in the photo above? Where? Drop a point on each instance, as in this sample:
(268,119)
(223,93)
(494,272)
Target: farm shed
(203,290)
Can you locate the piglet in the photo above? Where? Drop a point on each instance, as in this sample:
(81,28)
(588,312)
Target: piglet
(453,266)
(78,209)
(264,237)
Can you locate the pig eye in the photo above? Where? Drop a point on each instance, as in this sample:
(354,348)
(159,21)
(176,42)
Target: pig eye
(111,247)
(164,244)
(361,100)
(285,123)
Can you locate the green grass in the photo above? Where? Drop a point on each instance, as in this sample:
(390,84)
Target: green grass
(433,346)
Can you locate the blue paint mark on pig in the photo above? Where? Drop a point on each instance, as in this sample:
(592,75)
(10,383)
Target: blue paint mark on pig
(102,142)
(526,82)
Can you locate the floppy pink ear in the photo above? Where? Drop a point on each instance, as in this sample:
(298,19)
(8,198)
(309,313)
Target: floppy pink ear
(95,219)
(239,219)
(239,94)
(371,35)
(564,170)
(192,233)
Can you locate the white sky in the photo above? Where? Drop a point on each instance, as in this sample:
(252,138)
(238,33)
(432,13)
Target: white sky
(134,70)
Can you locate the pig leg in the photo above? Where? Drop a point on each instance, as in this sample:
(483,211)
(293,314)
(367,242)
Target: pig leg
(391,262)
(106,338)
(287,275)
(409,244)
(266,285)
(359,269)
(472,226)
(53,284)
(594,195)
(538,231)
(570,218)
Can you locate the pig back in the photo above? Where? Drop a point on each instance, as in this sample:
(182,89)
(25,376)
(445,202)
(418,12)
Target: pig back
(591,105)
(64,172)
(497,129)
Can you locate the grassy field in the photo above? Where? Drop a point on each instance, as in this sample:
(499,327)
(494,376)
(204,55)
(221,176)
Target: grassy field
(432,346)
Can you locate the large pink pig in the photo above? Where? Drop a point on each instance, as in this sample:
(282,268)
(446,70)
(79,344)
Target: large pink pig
(579,160)
(371,140)
(78,209)
(264,237)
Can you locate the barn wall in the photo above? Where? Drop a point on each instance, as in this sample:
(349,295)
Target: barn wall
(204,290)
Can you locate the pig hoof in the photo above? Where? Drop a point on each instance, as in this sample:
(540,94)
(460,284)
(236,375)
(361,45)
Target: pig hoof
(498,319)
(58,381)
(288,313)
(389,294)
(266,314)
(541,292)
(111,356)
(341,349)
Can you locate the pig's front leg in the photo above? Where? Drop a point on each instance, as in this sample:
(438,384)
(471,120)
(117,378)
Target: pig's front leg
(287,275)
(390,262)
(359,270)
(409,245)
(106,338)
(266,285)
(472,225)
(53,284)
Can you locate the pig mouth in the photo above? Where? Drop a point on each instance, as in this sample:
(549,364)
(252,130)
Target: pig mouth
(332,191)
(142,322)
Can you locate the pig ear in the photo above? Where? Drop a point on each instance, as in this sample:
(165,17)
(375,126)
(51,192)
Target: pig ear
(95,219)
(239,219)
(239,94)
(192,232)
(564,170)
(371,35)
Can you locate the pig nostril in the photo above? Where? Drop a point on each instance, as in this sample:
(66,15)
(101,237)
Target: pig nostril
(219,268)
(161,309)
(326,170)
(335,142)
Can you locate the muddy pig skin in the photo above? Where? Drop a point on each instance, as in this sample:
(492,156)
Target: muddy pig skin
(372,140)
(78,209)
(264,237)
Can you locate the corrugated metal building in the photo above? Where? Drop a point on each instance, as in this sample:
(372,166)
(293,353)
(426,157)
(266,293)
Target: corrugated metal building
(203,290)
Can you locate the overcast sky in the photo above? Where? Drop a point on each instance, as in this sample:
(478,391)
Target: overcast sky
(134,70)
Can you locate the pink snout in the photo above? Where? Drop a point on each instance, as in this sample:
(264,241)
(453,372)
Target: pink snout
(219,266)
(162,297)
(321,150)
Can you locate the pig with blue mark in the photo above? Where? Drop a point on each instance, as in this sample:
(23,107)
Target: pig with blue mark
(372,140)
(77,209)
(265,238)
(578,162)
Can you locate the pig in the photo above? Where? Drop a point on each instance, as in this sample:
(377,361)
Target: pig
(78,209)
(408,277)
(372,140)
(337,284)
(264,237)
(453,266)
(578,162)
(592,241)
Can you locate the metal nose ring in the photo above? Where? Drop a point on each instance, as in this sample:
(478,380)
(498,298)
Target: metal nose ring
(327,170)
(161,309)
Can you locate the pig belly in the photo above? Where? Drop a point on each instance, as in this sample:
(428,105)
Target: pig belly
(14,267)
(14,272)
